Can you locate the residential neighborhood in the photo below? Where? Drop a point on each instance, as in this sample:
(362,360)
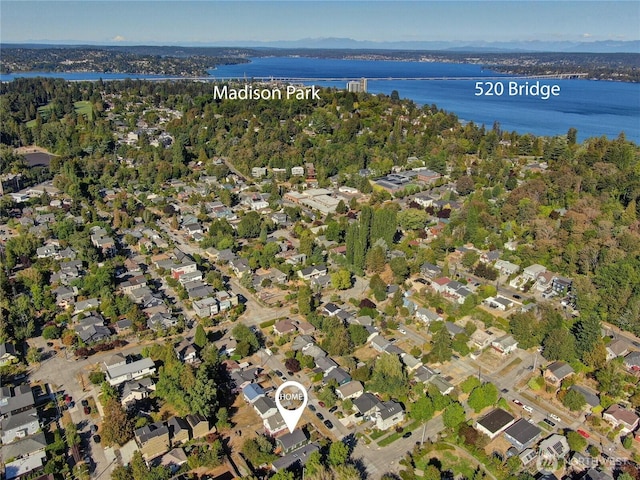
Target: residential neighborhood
(150,324)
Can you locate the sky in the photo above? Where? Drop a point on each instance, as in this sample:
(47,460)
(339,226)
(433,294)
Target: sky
(223,22)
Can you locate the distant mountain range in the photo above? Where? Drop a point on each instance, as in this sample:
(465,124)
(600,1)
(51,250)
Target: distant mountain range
(604,46)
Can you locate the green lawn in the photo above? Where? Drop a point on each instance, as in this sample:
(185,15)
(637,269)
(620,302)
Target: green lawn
(449,461)
(83,107)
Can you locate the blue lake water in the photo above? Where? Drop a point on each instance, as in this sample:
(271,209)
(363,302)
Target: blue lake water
(595,108)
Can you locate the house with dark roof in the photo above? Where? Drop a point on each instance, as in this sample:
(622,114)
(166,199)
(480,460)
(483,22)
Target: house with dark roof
(265,407)
(179,430)
(495,422)
(389,415)
(558,371)
(152,440)
(337,374)
(331,309)
(310,273)
(292,441)
(7,354)
(198,424)
(367,404)
(297,458)
(429,270)
(135,390)
(522,434)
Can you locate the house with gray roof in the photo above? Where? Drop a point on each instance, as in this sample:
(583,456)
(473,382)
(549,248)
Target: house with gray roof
(297,458)
(367,404)
(590,396)
(292,441)
(352,389)
(522,434)
(389,415)
(558,371)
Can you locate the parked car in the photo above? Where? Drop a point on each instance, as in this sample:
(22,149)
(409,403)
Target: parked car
(549,422)
(402,331)
(505,390)
(517,402)
(527,408)
(328,424)
(320,416)
(87,410)
(583,433)
(406,435)
(85,403)
(517,297)
(312,407)
(333,409)
(96,439)
(555,417)
(321,404)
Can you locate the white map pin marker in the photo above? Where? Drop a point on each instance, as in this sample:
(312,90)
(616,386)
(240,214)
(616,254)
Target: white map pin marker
(291,416)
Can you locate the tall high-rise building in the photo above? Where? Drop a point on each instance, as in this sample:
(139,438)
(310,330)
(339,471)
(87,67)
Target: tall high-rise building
(357,86)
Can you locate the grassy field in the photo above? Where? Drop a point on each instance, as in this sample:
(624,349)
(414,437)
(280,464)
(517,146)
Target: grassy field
(82,108)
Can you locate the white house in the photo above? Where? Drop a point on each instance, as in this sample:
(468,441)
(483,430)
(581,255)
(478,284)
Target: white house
(130,371)
(389,415)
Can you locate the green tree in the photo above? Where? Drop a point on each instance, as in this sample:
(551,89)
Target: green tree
(341,208)
(117,428)
(379,288)
(441,346)
(422,409)
(242,333)
(358,334)
(483,396)
(559,345)
(470,383)
(250,225)
(587,333)
(577,443)
(389,377)
(33,355)
(258,450)
(338,453)
(341,280)
(399,268)
(305,300)
(574,401)
(453,415)
(200,336)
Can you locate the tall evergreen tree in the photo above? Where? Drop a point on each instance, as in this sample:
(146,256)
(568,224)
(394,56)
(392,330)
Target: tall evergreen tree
(587,333)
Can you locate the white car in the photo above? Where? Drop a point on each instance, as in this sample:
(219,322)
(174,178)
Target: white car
(555,417)
(402,331)
(527,408)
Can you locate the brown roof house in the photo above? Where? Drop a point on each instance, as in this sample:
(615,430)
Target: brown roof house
(153,440)
(619,416)
(284,326)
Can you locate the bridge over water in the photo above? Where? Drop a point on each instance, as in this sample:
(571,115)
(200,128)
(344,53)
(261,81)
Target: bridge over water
(383,79)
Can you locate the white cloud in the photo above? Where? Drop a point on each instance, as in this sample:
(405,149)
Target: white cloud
(586,35)
(118,38)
